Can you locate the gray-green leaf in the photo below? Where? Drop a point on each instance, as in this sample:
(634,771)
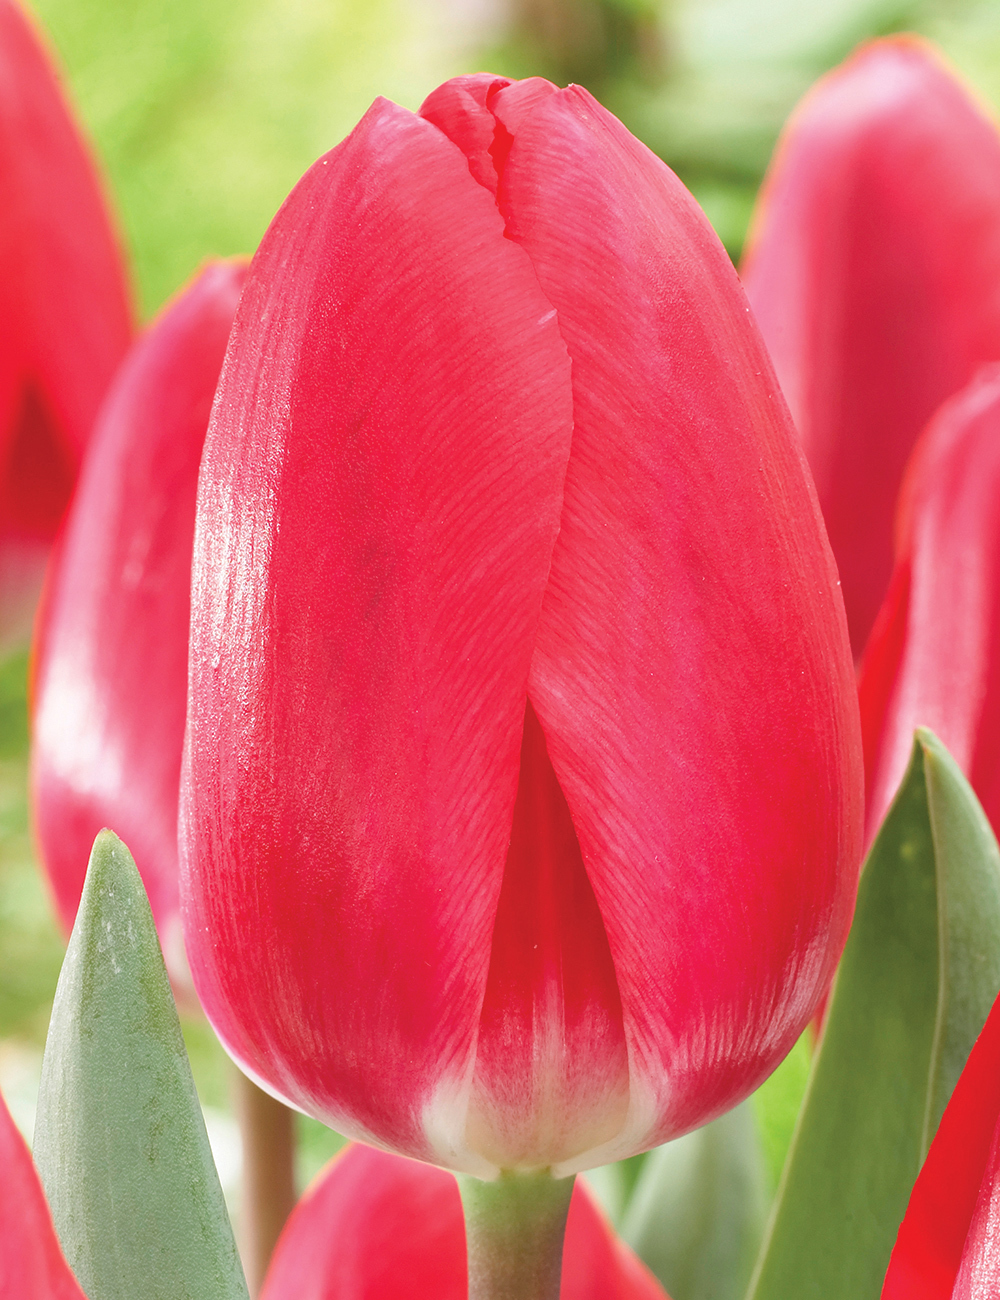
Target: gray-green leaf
(120,1141)
(697,1214)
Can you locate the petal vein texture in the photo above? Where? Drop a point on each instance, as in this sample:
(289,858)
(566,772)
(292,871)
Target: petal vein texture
(520,675)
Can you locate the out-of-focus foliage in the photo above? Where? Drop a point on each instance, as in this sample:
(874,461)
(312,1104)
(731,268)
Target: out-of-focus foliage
(205,115)
(31,946)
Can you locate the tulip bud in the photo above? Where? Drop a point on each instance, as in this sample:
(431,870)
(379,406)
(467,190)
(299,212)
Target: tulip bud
(946,1248)
(65,318)
(111,653)
(931,660)
(375,1227)
(32,1265)
(521,800)
(874,271)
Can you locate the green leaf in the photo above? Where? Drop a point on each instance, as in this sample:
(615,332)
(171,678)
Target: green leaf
(919,974)
(614,1184)
(697,1214)
(120,1141)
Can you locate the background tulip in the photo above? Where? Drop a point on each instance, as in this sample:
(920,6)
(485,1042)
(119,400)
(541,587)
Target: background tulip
(32,1266)
(65,319)
(521,803)
(111,655)
(874,272)
(945,1249)
(931,660)
(375,1226)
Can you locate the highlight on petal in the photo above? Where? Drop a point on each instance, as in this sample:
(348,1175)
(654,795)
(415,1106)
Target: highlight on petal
(874,272)
(946,1249)
(110,668)
(522,735)
(691,621)
(375,1227)
(32,1265)
(931,660)
(65,315)
(380,497)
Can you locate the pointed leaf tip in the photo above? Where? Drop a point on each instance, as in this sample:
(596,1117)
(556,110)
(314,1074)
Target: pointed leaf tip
(968,870)
(120,1141)
(916,982)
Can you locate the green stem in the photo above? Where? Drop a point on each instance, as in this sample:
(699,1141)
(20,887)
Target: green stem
(514,1230)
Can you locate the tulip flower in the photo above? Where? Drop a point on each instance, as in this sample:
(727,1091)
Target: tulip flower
(375,1227)
(32,1266)
(874,272)
(111,653)
(931,660)
(521,801)
(65,318)
(946,1248)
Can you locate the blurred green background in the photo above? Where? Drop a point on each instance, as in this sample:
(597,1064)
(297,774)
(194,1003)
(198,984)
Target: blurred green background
(206,114)
(203,117)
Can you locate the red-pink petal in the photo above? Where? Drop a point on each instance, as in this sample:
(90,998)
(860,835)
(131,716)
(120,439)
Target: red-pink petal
(380,498)
(979,1272)
(377,1227)
(932,658)
(873,271)
(551,1077)
(66,319)
(382,495)
(951,1217)
(111,656)
(691,671)
(551,1072)
(32,1266)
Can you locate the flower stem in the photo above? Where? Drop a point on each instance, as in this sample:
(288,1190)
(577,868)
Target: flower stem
(268,1193)
(514,1230)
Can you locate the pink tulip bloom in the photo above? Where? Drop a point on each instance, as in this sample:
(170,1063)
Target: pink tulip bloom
(110,667)
(932,658)
(32,1265)
(522,793)
(377,1227)
(947,1243)
(874,273)
(65,317)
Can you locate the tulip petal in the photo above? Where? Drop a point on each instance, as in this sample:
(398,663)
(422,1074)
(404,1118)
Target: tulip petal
(877,674)
(551,1075)
(375,1227)
(111,658)
(459,108)
(953,1191)
(350,793)
(32,1265)
(719,834)
(979,1274)
(932,657)
(874,271)
(67,319)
